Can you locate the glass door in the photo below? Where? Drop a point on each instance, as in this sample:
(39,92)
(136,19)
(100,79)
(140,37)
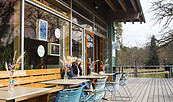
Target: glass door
(107,54)
(89,49)
(98,53)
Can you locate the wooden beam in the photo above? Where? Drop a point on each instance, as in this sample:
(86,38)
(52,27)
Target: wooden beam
(122,16)
(124,22)
(122,3)
(139,17)
(112,6)
(132,21)
(140,20)
(134,5)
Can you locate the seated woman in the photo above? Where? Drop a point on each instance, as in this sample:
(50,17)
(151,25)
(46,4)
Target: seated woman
(77,67)
(70,73)
(78,71)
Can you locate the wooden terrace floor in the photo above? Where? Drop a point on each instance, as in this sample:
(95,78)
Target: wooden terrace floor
(147,90)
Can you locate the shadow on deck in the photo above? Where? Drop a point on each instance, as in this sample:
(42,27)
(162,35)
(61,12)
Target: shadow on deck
(147,90)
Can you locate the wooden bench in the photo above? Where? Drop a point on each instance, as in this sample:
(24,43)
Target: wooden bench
(31,78)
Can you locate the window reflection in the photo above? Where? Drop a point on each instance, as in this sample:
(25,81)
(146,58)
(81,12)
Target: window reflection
(32,60)
(53,4)
(89,50)
(77,19)
(107,54)
(9,30)
(77,33)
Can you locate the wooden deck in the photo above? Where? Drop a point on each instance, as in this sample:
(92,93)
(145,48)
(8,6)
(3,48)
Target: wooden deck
(147,90)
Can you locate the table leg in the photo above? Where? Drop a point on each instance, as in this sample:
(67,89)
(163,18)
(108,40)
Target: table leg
(66,86)
(90,86)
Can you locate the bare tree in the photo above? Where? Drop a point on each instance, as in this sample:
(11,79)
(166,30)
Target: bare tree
(163,14)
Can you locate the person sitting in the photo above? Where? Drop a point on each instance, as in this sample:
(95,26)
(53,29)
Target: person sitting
(78,71)
(77,67)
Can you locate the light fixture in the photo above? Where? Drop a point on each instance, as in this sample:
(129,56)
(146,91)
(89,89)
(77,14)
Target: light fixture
(95,6)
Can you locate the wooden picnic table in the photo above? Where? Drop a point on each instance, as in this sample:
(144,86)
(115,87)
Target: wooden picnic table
(65,83)
(90,77)
(20,92)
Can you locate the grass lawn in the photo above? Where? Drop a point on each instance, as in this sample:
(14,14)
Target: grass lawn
(160,75)
(144,70)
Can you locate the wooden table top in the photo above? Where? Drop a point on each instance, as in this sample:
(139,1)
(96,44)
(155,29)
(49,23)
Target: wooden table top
(89,77)
(20,92)
(65,82)
(104,74)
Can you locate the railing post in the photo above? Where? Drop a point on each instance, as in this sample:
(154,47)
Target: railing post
(130,71)
(157,71)
(144,72)
(170,70)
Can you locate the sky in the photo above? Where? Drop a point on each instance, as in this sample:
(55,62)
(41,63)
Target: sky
(138,34)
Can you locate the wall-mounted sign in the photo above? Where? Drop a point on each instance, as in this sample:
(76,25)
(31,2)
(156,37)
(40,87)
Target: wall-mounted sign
(41,51)
(57,33)
(116,45)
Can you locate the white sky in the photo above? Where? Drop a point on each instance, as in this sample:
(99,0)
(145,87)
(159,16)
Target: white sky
(138,34)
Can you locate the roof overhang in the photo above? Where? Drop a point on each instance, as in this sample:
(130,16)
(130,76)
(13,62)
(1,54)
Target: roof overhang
(116,10)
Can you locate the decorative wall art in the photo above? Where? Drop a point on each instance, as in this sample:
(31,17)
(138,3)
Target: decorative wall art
(53,49)
(41,51)
(42,29)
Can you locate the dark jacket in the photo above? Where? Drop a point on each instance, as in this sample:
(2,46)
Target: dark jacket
(75,71)
(70,73)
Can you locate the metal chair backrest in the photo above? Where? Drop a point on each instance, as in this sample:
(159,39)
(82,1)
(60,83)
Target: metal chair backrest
(99,89)
(70,95)
(117,80)
(126,77)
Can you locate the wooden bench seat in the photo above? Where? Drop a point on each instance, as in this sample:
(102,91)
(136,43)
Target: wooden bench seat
(30,78)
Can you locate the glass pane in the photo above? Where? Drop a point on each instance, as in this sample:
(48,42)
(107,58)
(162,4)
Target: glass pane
(56,30)
(107,55)
(9,30)
(84,23)
(89,50)
(77,33)
(54,5)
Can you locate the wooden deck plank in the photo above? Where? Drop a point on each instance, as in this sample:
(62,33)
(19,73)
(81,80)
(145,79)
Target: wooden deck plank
(160,91)
(165,91)
(138,90)
(143,90)
(148,90)
(155,97)
(151,94)
(169,89)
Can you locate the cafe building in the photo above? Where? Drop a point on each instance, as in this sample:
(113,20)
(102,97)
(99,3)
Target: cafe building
(48,30)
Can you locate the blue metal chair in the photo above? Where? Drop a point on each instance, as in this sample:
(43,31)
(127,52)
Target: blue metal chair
(70,95)
(124,82)
(98,92)
(112,87)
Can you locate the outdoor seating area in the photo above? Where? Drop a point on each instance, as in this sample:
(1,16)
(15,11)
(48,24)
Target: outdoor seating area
(36,85)
(121,89)
(76,51)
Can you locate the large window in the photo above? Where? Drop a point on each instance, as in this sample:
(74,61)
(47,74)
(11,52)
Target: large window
(9,30)
(46,38)
(77,33)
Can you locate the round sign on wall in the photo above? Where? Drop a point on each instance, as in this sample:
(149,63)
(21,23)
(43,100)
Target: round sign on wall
(57,33)
(41,51)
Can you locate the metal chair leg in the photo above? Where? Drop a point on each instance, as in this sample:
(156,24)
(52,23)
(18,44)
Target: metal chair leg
(120,96)
(126,92)
(129,91)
